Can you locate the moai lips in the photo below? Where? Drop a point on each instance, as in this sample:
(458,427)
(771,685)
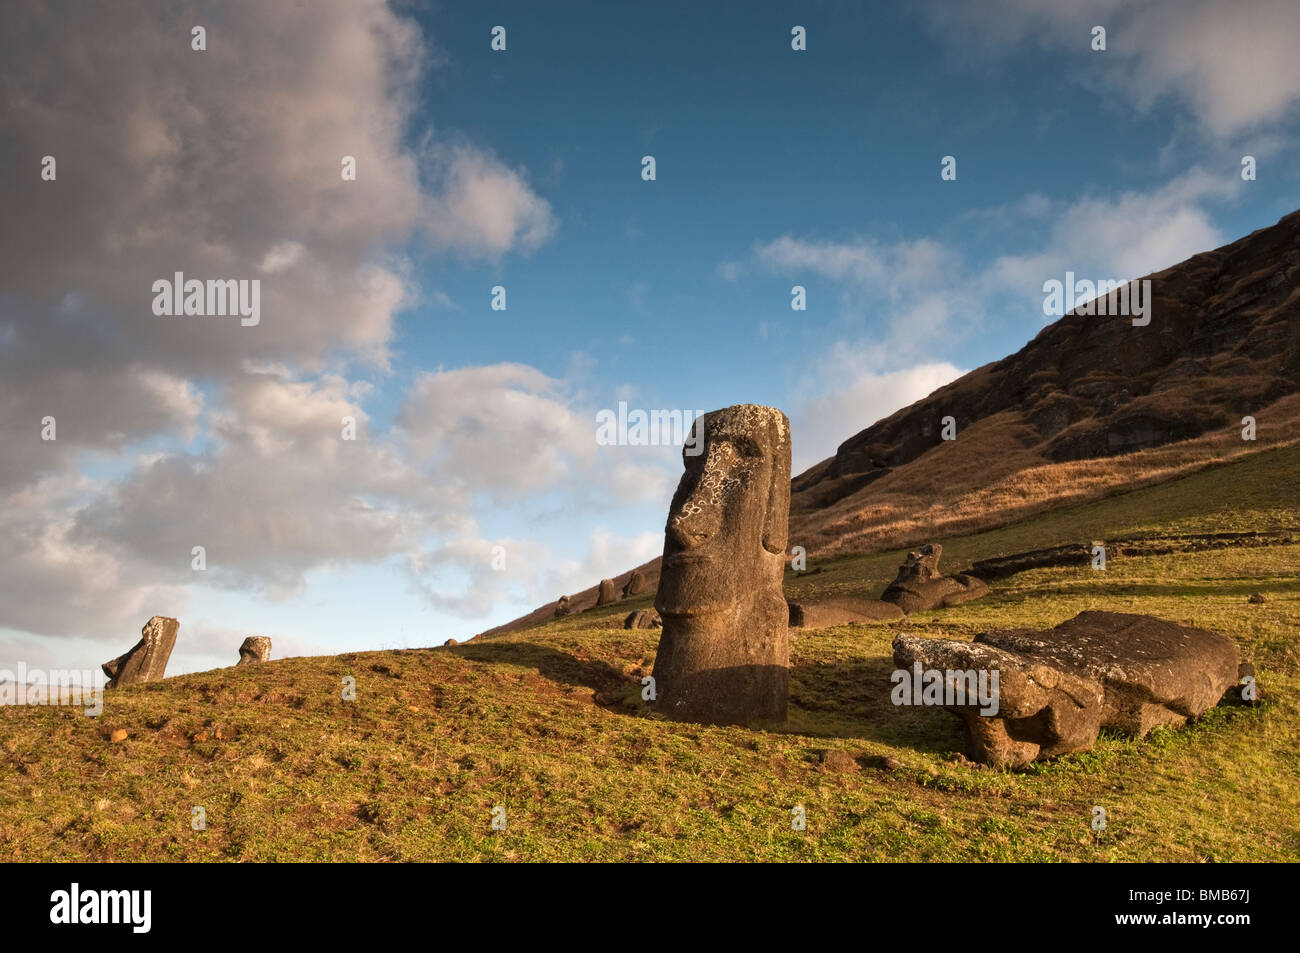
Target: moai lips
(724,654)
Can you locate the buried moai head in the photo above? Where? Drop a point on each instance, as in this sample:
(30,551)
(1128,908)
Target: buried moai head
(724,653)
(256,648)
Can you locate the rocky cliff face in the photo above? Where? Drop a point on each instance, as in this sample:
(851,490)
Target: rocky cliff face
(1224,341)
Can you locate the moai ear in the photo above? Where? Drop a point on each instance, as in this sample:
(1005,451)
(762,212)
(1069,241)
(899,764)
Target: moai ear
(776,521)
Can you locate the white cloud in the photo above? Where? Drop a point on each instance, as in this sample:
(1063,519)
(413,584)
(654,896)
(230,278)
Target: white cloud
(1233,65)
(819,425)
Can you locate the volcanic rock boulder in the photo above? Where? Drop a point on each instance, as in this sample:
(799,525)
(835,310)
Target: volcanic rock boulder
(147,660)
(1154,672)
(643,619)
(1059,687)
(920,586)
(844,610)
(724,654)
(635,584)
(256,648)
(562,607)
(1043,711)
(607,593)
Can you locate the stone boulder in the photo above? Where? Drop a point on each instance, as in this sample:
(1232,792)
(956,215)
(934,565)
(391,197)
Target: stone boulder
(256,648)
(635,584)
(643,619)
(842,610)
(562,607)
(607,593)
(1059,687)
(724,655)
(147,660)
(920,586)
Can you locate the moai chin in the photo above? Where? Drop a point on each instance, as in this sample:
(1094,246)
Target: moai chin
(724,654)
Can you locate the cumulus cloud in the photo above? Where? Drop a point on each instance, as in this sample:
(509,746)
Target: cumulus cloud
(461,424)
(1232,65)
(472,576)
(218,164)
(820,424)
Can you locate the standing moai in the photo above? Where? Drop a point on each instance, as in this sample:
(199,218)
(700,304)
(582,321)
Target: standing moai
(147,660)
(635,584)
(724,655)
(607,593)
(256,648)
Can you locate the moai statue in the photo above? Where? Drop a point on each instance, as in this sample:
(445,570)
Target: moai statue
(724,654)
(606,593)
(256,648)
(562,607)
(635,584)
(147,660)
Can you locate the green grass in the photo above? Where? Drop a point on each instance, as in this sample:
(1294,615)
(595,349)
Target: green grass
(549,724)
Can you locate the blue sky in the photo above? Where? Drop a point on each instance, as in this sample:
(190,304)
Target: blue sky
(522,168)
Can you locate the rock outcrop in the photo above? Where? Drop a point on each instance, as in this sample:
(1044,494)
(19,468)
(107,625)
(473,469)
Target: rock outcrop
(147,660)
(724,654)
(920,586)
(1058,688)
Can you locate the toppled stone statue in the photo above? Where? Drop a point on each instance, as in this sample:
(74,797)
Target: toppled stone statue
(840,610)
(724,654)
(643,619)
(256,648)
(635,584)
(606,594)
(562,607)
(1058,688)
(920,586)
(147,660)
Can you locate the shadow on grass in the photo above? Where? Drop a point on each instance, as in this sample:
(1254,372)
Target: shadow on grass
(848,700)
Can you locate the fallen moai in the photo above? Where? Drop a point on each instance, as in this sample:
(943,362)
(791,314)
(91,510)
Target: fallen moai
(840,610)
(147,659)
(920,586)
(724,654)
(1057,688)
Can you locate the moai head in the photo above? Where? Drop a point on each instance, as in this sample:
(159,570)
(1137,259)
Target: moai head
(724,654)
(921,565)
(728,519)
(255,648)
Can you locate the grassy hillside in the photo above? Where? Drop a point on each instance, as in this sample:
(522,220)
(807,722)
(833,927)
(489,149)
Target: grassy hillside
(549,724)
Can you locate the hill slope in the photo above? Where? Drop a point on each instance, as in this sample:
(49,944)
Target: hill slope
(550,726)
(1091,406)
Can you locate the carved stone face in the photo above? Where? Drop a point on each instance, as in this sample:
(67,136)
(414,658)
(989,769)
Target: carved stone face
(724,653)
(727,522)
